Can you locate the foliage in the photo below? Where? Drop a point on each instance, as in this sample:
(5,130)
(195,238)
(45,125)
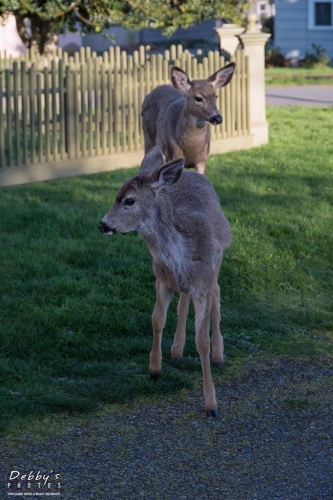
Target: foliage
(75,306)
(317,58)
(54,16)
(274,58)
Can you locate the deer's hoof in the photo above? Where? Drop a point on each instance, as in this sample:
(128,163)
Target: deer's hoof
(218,364)
(176,360)
(212,413)
(154,376)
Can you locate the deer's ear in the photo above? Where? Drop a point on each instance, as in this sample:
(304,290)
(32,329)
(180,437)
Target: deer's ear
(152,161)
(179,79)
(223,76)
(168,174)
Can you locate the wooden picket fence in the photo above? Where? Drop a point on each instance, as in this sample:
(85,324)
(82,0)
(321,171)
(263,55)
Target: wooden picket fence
(89,106)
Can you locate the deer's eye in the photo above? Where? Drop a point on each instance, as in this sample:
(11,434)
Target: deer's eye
(198,98)
(128,202)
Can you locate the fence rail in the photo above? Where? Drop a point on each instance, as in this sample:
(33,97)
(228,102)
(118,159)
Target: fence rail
(88,105)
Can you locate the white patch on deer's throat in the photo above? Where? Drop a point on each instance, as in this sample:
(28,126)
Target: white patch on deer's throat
(176,256)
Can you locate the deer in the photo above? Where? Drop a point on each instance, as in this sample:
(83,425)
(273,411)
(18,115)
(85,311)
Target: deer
(179,216)
(176,117)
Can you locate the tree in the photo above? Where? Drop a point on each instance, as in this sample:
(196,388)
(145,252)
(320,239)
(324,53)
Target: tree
(47,18)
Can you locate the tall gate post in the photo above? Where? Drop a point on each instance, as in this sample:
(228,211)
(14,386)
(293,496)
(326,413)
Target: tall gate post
(228,34)
(253,41)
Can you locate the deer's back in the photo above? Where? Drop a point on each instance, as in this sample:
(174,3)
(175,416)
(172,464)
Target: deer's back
(162,98)
(160,113)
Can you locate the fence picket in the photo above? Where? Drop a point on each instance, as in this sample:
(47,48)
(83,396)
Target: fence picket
(103,106)
(39,119)
(54,94)
(90,113)
(16,113)
(33,116)
(130,102)
(76,108)
(24,114)
(9,118)
(2,129)
(83,111)
(47,112)
(62,110)
(124,100)
(96,102)
(110,110)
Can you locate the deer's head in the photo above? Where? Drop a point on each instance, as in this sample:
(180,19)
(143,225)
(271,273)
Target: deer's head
(200,95)
(135,206)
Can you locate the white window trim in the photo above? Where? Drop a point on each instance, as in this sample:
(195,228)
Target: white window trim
(311,11)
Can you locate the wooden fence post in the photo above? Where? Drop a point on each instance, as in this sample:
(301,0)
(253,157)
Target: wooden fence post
(69,114)
(253,40)
(227,34)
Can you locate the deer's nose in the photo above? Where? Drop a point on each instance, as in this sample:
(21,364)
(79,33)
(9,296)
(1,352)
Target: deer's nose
(216,119)
(103,227)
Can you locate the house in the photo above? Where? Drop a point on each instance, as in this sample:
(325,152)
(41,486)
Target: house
(301,23)
(10,41)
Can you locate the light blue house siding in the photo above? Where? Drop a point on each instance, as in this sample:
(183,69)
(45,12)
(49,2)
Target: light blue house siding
(300,23)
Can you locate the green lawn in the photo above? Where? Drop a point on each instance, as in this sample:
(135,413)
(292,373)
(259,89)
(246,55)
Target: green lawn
(298,76)
(75,311)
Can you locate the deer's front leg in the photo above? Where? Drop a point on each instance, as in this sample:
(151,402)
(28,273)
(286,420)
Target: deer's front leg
(163,298)
(201,167)
(203,309)
(180,335)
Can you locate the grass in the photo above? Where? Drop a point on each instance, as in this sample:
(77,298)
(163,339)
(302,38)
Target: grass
(75,310)
(298,76)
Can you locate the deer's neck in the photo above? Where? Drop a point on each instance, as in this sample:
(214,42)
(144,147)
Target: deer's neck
(164,241)
(158,227)
(191,122)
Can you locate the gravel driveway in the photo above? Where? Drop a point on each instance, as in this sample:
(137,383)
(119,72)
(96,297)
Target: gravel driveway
(272,441)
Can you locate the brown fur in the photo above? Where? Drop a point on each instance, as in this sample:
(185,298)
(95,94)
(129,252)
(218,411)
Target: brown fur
(180,218)
(174,120)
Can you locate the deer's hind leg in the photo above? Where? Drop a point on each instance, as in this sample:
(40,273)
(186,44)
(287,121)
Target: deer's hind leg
(177,347)
(163,298)
(217,339)
(203,309)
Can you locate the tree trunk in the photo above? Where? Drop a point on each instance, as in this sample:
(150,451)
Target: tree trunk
(41,33)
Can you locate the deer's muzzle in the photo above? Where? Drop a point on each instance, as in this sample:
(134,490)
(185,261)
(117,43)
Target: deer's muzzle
(216,119)
(107,229)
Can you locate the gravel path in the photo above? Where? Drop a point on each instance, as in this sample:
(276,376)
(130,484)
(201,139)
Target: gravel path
(272,441)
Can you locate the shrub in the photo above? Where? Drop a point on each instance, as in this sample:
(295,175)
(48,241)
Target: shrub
(274,58)
(314,59)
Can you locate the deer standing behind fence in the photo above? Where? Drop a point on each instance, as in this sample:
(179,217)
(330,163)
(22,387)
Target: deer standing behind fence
(176,117)
(180,218)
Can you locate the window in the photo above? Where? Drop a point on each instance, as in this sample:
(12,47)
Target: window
(320,14)
(323,13)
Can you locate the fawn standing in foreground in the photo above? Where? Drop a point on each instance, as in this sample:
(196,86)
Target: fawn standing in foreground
(176,117)
(180,218)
